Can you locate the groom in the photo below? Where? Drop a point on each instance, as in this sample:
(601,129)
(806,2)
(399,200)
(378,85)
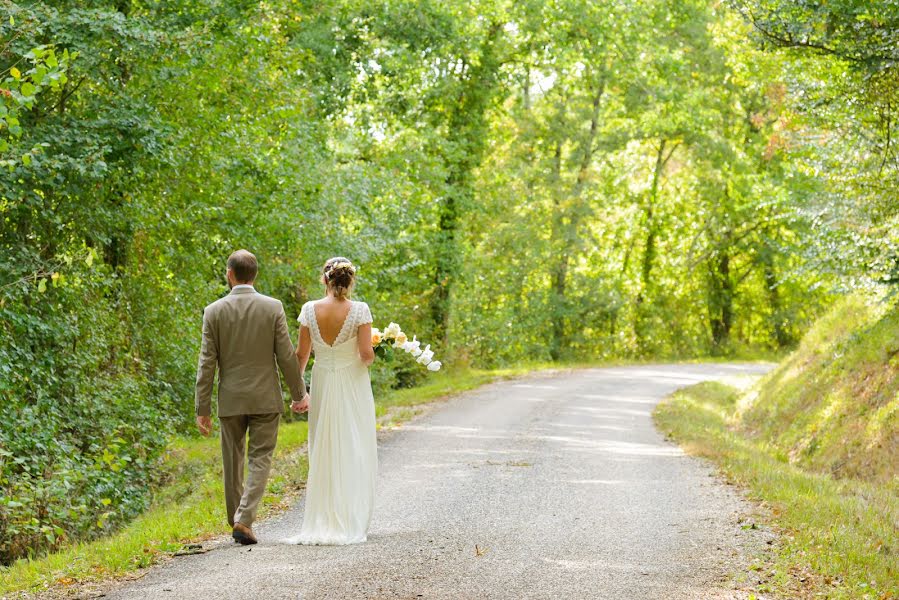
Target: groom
(244,336)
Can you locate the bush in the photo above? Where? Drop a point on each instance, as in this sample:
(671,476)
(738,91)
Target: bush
(81,423)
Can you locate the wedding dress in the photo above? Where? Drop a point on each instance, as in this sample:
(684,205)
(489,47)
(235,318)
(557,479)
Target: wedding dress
(343,457)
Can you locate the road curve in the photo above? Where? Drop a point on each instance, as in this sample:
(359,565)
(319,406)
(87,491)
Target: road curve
(552,486)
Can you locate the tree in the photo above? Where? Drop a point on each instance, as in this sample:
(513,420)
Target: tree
(845,99)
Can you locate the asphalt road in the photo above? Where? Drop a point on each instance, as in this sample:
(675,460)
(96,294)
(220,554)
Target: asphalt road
(554,486)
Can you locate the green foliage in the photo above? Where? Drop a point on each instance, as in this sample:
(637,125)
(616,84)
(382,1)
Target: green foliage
(75,447)
(43,70)
(841,65)
(638,201)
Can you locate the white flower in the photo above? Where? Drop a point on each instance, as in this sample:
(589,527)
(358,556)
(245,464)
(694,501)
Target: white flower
(426,355)
(435,365)
(413,347)
(392,331)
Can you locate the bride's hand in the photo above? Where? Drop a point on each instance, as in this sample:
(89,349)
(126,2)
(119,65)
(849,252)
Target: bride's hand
(302,406)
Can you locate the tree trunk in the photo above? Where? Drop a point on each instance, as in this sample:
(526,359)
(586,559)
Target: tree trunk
(559,270)
(566,220)
(644,295)
(721,296)
(781,336)
(467,129)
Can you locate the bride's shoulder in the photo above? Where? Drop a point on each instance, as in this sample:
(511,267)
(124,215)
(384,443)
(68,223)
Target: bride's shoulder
(305,310)
(363,311)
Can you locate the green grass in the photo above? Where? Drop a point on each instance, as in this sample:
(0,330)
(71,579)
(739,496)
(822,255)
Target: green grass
(840,537)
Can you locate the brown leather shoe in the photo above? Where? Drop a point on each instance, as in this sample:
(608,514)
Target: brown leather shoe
(243,535)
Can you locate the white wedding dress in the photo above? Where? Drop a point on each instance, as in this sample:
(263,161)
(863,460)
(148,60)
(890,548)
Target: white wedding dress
(343,454)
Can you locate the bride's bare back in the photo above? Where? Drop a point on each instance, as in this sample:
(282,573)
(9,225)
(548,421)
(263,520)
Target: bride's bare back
(331,313)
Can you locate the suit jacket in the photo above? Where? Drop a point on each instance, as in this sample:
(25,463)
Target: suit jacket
(245,336)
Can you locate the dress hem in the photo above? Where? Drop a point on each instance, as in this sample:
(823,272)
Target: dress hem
(311,541)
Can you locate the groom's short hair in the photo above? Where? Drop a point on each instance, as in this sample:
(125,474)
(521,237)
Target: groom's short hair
(244,266)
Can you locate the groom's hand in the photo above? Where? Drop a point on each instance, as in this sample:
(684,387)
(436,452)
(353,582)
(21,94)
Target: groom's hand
(205,424)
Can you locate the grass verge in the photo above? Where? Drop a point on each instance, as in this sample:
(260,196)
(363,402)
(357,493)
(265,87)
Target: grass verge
(840,537)
(188,506)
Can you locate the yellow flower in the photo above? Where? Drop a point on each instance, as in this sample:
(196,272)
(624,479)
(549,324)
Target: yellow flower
(401,338)
(375,337)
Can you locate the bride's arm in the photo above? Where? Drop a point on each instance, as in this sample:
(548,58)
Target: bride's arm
(304,349)
(366,352)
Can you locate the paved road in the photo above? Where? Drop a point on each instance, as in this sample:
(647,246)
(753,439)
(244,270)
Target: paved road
(554,486)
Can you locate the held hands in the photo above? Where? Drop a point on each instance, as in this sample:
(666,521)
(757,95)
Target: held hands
(301,406)
(204,423)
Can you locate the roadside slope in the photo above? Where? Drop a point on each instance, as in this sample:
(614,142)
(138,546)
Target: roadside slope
(833,406)
(816,442)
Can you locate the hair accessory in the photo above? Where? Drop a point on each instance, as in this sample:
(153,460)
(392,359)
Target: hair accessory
(340,265)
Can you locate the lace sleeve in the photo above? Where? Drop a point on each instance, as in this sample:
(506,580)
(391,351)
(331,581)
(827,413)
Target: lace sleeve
(364,315)
(304,315)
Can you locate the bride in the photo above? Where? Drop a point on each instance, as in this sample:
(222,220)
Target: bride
(343,455)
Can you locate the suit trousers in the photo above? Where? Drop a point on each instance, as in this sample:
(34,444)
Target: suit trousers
(241,501)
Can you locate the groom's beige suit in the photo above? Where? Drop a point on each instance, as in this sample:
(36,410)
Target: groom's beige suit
(245,337)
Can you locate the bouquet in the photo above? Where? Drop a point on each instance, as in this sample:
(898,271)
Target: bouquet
(392,338)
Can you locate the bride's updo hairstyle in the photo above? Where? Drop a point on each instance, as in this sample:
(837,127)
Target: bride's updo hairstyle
(339,275)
